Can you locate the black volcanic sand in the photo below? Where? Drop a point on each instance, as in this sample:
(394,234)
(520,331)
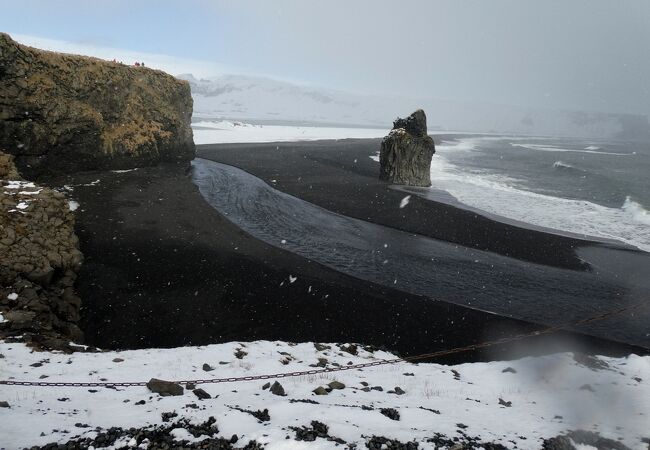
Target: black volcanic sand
(162,269)
(340,176)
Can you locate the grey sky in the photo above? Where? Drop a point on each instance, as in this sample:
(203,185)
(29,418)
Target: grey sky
(591,55)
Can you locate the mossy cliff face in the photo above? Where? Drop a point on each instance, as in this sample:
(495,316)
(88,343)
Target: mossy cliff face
(62,113)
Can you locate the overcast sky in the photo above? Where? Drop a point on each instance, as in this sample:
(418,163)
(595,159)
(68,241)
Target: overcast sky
(591,55)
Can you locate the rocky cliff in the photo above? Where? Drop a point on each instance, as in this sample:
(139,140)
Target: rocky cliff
(405,155)
(61,113)
(39,258)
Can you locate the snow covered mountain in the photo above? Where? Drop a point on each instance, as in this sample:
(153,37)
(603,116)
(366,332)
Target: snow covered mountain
(268,101)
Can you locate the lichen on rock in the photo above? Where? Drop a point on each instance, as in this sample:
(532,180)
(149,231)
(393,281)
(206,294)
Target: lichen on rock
(39,259)
(64,113)
(405,155)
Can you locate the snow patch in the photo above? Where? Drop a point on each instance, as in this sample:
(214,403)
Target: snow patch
(435,397)
(226,132)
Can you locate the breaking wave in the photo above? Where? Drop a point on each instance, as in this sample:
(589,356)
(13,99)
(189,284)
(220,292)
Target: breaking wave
(636,211)
(553,148)
(504,196)
(562,165)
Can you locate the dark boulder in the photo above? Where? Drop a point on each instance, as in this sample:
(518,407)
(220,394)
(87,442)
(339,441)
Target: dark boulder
(165,388)
(405,156)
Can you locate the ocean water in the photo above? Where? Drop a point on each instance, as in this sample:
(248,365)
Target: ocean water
(595,189)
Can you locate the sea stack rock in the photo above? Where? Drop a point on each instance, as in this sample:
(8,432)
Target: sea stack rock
(63,113)
(406,152)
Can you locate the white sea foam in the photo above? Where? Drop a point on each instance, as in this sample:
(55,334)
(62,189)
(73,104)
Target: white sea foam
(553,148)
(468,144)
(562,165)
(505,196)
(636,212)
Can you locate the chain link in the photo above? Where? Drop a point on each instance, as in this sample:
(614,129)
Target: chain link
(380,362)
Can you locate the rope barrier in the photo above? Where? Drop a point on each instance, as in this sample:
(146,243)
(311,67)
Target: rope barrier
(379,362)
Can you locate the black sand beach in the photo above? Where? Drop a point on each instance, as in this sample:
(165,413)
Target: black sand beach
(340,176)
(163,268)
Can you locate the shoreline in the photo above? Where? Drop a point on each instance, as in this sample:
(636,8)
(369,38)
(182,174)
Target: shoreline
(155,249)
(335,163)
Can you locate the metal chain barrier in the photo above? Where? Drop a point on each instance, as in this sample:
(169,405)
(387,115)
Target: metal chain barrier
(379,362)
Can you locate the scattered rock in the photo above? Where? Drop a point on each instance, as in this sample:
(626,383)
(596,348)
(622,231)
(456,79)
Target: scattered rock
(382,443)
(592,439)
(321,347)
(320,390)
(352,349)
(118,360)
(167,416)
(154,437)
(336,385)
(391,413)
(277,389)
(265,386)
(322,362)
(262,416)
(505,403)
(207,367)
(509,370)
(312,402)
(4,404)
(165,388)
(317,430)
(398,390)
(201,394)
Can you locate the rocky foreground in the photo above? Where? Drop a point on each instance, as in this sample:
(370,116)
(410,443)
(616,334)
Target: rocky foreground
(597,401)
(39,261)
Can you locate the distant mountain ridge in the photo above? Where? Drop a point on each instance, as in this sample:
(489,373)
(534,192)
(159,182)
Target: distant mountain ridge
(266,100)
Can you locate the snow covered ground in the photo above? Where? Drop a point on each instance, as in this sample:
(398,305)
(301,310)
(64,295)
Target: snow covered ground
(227,132)
(515,403)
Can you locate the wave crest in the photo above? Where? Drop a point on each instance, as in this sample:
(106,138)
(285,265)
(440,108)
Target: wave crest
(636,211)
(562,165)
